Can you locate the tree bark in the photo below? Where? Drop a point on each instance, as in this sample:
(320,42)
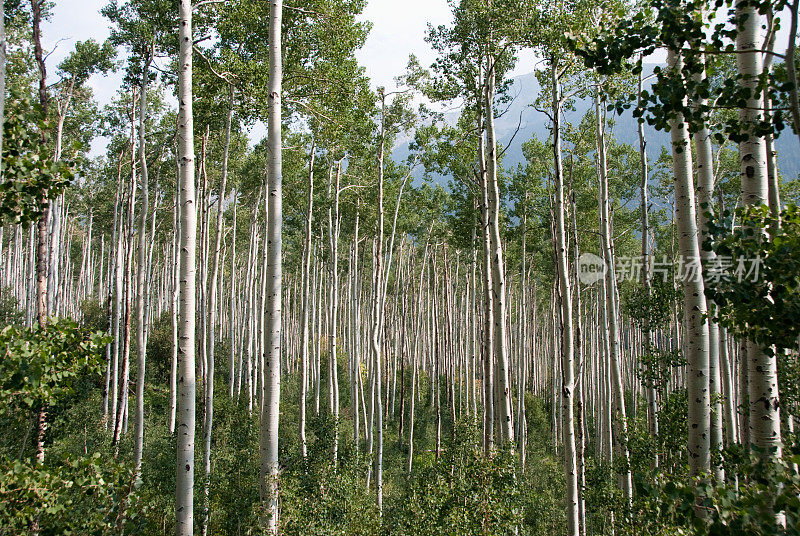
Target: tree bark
(566,326)
(184,483)
(696,346)
(306,290)
(141,287)
(270,388)
(503,384)
(764,402)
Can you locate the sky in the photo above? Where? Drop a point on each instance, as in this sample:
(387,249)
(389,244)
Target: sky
(398,29)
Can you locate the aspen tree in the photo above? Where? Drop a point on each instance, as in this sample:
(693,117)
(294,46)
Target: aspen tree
(270,386)
(377,328)
(503,386)
(306,305)
(566,313)
(184,483)
(762,373)
(176,264)
(141,287)
(611,317)
(212,316)
(696,344)
(333,302)
(704,193)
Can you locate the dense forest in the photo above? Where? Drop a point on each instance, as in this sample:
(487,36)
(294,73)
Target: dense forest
(206,332)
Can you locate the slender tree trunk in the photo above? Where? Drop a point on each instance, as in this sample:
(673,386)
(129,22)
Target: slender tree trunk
(652,396)
(612,307)
(488,298)
(356,328)
(306,275)
(212,321)
(333,238)
(764,401)
(41,236)
(696,345)
(377,329)
(705,190)
(141,287)
(232,311)
(176,260)
(566,327)
(184,484)
(499,311)
(268,440)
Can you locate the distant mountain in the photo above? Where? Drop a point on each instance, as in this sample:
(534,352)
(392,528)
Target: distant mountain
(520,114)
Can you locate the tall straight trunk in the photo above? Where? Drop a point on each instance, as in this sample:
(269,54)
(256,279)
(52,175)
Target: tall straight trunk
(233,301)
(580,440)
(184,483)
(306,305)
(41,226)
(612,309)
(705,190)
(764,401)
(127,293)
(696,346)
(473,348)
(202,290)
(212,319)
(729,397)
(488,305)
(119,283)
(652,397)
(176,263)
(268,433)
(566,327)
(141,271)
(503,385)
(113,305)
(356,328)
(377,329)
(333,239)
(436,383)
(418,342)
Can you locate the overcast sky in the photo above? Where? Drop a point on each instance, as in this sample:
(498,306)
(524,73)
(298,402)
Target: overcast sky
(398,29)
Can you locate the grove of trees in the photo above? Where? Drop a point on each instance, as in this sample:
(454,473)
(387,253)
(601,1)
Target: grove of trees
(373,320)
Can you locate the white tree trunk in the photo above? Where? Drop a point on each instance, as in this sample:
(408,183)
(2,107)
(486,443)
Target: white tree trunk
(765,431)
(306,305)
(184,483)
(141,287)
(270,388)
(566,327)
(696,346)
(612,308)
(503,383)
